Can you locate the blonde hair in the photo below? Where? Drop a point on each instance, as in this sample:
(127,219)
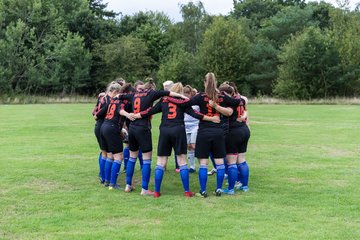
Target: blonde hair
(150,84)
(178,88)
(191,91)
(210,86)
(113,87)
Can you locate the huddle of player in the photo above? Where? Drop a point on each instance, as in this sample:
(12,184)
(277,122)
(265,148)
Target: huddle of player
(213,122)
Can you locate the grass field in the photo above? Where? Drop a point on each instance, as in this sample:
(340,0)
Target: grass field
(304,180)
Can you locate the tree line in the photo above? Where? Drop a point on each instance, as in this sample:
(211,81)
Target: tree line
(283,48)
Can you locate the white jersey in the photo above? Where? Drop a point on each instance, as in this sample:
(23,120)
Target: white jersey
(191,123)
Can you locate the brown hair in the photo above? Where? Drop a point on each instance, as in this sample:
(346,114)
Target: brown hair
(232,84)
(113,87)
(210,86)
(127,88)
(137,83)
(120,81)
(225,87)
(150,84)
(188,89)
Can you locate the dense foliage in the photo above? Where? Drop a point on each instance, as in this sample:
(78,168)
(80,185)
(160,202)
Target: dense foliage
(285,48)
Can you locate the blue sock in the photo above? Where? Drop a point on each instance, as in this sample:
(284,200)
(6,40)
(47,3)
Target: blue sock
(146,171)
(212,160)
(226,167)
(130,170)
(141,160)
(184,173)
(159,173)
(115,171)
(108,166)
(244,173)
(203,177)
(220,172)
(233,173)
(99,159)
(126,156)
(176,163)
(102,168)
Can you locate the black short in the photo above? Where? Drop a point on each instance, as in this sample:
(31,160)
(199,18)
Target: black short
(111,138)
(140,137)
(97,131)
(172,137)
(210,140)
(237,140)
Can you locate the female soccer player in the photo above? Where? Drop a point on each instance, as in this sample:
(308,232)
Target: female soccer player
(173,135)
(140,133)
(99,114)
(191,128)
(111,137)
(210,136)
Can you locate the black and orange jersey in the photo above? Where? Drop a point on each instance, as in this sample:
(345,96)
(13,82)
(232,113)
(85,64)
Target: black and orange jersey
(173,110)
(113,112)
(238,112)
(101,107)
(127,108)
(202,100)
(141,101)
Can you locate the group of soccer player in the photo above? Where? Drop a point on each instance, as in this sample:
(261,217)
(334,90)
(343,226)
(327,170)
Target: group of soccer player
(210,123)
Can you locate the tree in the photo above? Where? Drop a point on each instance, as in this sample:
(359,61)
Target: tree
(127,57)
(225,51)
(309,67)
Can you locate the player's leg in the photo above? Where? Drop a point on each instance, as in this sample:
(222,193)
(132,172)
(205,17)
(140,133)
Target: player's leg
(116,148)
(134,151)
(219,152)
(159,173)
(145,143)
(202,151)
(242,165)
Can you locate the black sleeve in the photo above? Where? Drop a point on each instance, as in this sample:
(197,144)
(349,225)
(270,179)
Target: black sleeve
(152,110)
(229,101)
(126,96)
(158,94)
(194,114)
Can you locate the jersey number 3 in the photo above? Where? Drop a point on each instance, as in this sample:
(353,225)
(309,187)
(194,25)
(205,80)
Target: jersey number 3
(172,110)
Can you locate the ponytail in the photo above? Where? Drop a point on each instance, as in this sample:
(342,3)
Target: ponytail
(210,86)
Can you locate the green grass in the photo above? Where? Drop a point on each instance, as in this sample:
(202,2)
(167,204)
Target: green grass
(304,180)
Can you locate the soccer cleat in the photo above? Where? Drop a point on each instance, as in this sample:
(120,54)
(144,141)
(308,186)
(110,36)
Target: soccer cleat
(243,188)
(106,184)
(146,192)
(157,194)
(114,186)
(202,194)
(212,172)
(189,194)
(218,192)
(192,170)
(129,188)
(228,192)
(237,184)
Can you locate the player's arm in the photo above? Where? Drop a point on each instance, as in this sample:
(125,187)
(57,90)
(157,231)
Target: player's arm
(226,111)
(150,111)
(126,114)
(200,116)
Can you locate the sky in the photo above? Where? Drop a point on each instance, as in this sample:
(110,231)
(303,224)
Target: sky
(171,7)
